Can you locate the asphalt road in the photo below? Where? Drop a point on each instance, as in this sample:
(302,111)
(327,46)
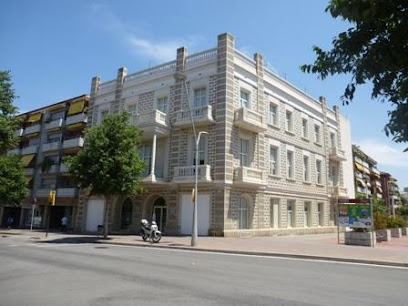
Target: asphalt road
(45,273)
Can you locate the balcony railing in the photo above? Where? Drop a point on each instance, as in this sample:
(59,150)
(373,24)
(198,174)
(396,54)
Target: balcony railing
(51,146)
(246,175)
(67,192)
(76,119)
(187,173)
(337,154)
(73,143)
(54,124)
(29,150)
(201,116)
(28,171)
(249,120)
(337,191)
(32,129)
(13,152)
(19,132)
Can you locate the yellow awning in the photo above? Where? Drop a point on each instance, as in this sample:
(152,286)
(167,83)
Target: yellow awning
(379,190)
(26,159)
(34,117)
(28,178)
(74,126)
(359,167)
(32,135)
(361,182)
(54,130)
(366,170)
(76,107)
(56,107)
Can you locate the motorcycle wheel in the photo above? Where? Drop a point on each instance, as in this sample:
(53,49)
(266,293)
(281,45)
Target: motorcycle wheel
(144,236)
(156,237)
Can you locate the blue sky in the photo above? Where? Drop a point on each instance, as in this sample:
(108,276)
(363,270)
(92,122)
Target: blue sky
(54,48)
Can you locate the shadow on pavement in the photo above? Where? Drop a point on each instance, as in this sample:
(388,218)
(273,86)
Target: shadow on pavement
(74,240)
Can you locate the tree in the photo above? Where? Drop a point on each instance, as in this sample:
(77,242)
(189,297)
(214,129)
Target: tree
(110,164)
(13,186)
(374,50)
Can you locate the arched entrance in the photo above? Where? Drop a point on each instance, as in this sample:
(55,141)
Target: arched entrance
(126,215)
(159,213)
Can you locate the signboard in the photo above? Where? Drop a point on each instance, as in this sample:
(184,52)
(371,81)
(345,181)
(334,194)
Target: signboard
(355,215)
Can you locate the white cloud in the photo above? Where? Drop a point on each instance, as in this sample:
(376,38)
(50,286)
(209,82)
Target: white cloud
(135,39)
(385,154)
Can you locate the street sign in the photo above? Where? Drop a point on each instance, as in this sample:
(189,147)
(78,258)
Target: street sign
(362,201)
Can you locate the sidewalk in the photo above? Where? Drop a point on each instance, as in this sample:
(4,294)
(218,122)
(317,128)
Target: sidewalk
(321,246)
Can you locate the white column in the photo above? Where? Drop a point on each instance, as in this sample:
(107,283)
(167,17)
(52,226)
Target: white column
(152,176)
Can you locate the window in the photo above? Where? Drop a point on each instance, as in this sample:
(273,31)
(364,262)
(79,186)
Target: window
(333,140)
(243,213)
(162,104)
(200,97)
(57,115)
(201,150)
(47,183)
(274,213)
(306,172)
(289,121)
(273,114)
(244,152)
(244,99)
(318,171)
(273,160)
(305,130)
(320,213)
(291,207)
(307,214)
(54,138)
(145,153)
(317,133)
(290,164)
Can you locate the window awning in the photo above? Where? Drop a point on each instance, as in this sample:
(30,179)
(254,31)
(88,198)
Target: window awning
(359,167)
(56,129)
(28,178)
(366,170)
(379,190)
(76,107)
(56,107)
(74,126)
(26,159)
(368,184)
(34,117)
(32,135)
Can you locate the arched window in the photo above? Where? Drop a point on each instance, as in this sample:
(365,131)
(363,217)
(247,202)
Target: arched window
(243,213)
(126,216)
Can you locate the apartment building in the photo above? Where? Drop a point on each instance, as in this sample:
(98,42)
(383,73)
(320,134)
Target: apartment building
(272,160)
(392,196)
(47,135)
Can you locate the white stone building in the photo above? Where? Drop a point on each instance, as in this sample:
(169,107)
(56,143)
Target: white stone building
(274,161)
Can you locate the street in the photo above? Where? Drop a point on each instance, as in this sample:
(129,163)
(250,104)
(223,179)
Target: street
(35,272)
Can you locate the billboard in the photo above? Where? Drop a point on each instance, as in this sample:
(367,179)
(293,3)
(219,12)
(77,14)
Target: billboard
(355,215)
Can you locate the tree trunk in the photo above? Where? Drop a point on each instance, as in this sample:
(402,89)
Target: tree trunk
(106,217)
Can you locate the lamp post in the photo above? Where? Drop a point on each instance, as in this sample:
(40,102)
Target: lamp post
(194,231)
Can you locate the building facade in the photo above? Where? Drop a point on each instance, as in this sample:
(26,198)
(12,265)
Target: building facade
(47,136)
(392,197)
(272,160)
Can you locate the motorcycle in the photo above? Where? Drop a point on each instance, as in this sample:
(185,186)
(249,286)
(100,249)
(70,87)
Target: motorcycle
(150,231)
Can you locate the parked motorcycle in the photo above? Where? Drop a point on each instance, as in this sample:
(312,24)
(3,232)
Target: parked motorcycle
(150,231)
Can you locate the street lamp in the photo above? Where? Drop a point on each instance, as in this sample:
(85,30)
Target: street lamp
(194,231)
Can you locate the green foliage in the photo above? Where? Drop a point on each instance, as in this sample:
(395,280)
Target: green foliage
(373,50)
(110,164)
(13,185)
(402,210)
(395,222)
(8,121)
(380,220)
(46,164)
(379,206)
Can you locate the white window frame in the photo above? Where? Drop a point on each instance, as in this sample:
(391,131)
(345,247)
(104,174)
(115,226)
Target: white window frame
(319,173)
(307,214)
(305,128)
(202,149)
(333,140)
(274,203)
(146,154)
(317,133)
(244,149)
(273,114)
(290,164)
(289,121)
(290,213)
(243,213)
(200,97)
(273,160)
(162,104)
(244,98)
(306,168)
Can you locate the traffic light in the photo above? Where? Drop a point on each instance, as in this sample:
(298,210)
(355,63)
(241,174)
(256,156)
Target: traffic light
(51,197)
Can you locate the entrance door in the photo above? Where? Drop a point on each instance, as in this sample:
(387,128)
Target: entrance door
(160,213)
(203,214)
(126,216)
(94,214)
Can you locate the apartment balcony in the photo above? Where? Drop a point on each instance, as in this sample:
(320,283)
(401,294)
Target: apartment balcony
(248,176)
(73,143)
(64,168)
(67,192)
(51,146)
(43,192)
(29,150)
(32,129)
(337,154)
(78,118)
(54,124)
(249,120)
(337,191)
(19,132)
(153,122)
(29,171)
(13,152)
(201,116)
(187,174)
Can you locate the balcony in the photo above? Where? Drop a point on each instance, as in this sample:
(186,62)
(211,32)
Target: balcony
(77,142)
(13,152)
(19,132)
(201,116)
(78,118)
(337,191)
(248,176)
(29,171)
(249,120)
(153,122)
(54,124)
(64,168)
(32,129)
(67,192)
(337,154)
(51,146)
(187,174)
(29,150)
